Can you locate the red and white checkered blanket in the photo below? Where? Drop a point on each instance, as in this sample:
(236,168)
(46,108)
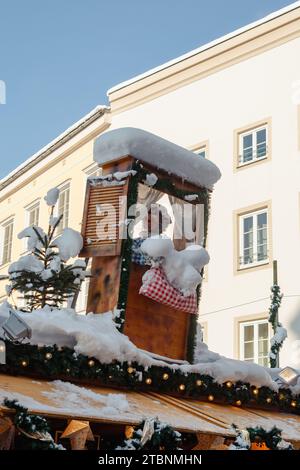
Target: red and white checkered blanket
(156,287)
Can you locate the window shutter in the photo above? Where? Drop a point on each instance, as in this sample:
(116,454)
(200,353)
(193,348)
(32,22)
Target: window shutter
(104,216)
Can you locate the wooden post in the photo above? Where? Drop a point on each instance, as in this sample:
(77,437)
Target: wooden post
(275,280)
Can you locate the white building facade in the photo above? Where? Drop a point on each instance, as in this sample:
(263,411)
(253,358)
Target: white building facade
(235,100)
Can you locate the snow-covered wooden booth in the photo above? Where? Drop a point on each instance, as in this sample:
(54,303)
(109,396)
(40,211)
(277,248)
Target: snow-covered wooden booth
(140,170)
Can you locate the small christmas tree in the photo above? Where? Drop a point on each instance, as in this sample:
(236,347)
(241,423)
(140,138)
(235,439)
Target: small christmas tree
(43,277)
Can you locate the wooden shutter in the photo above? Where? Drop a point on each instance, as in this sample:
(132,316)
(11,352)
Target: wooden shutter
(101,195)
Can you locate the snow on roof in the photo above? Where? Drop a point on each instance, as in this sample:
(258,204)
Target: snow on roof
(98,404)
(158,152)
(206,46)
(97,336)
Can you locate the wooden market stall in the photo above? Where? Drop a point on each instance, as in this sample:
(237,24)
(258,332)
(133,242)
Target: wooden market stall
(210,424)
(140,168)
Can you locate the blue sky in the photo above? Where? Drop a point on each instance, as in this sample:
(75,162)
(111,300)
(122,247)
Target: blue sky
(59,57)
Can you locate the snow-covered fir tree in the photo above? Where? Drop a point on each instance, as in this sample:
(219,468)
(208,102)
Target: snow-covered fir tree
(43,276)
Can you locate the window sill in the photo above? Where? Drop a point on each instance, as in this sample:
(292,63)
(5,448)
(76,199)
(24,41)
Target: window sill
(253,266)
(240,166)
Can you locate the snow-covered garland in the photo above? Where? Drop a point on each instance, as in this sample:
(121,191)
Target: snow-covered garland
(139,174)
(33,430)
(152,435)
(262,439)
(280,333)
(51,362)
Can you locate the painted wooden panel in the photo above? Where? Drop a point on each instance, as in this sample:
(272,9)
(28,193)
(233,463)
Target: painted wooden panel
(153,326)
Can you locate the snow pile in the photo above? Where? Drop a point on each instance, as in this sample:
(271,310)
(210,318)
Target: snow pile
(97,336)
(52,197)
(182,268)
(27,263)
(191,197)
(33,235)
(151,179)
(224,369)
(278,339)
(120,175)
(73,400)
(69,244)
(157,152)
(76,397)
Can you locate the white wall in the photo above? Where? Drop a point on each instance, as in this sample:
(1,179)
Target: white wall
(212,108)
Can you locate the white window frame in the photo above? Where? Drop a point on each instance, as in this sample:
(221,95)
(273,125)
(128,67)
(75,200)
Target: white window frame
(252,132)
(202,149)
(93,170)
(255,324)
(64,187)
(4,225)
(255,215)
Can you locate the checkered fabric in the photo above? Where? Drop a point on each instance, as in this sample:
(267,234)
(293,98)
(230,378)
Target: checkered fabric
(156,287)
(137,256)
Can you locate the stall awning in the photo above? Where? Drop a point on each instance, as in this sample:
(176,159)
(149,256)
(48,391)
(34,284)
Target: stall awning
(102,405)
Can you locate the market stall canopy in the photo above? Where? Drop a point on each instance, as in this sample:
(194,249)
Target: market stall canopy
(158,152)
(59,399)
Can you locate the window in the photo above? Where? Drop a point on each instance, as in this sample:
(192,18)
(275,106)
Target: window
(7,237)
(201,149)
(253,238)
(253,145)
(93,170)
(33,213)
(63,207)
(202,152)
(254,342)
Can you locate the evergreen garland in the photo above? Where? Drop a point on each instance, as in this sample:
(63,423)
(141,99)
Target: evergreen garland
(127,252)
(276,341)
(51,362)
(164,438)
(258,435)
(34,430)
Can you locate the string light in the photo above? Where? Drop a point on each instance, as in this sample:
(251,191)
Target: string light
(294,404)
(199,383)
(24,363)
(148,381)
(182,387)
(130,370)
(91,363)
(238,402)
(166,376)
(255,391)
(211,397)
(228,384)
(48,355)
(281,396)
(269,400)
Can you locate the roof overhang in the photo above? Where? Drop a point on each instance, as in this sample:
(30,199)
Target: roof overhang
(185,415)
(257,37)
